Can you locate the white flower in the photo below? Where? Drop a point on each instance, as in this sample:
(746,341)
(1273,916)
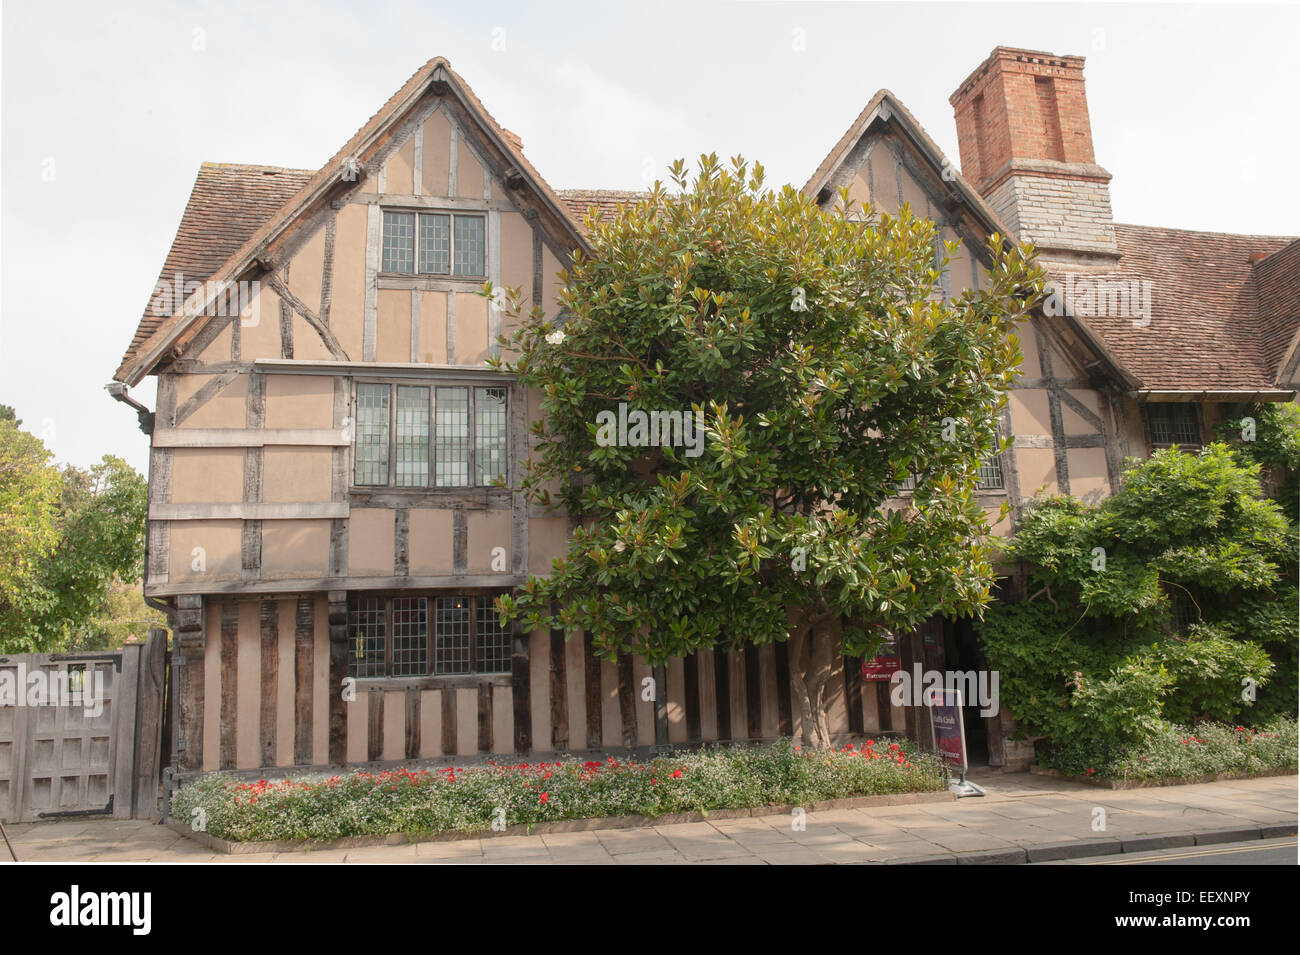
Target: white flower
(555,337)
(620,546)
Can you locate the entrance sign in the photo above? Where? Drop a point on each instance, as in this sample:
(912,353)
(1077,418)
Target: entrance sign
(948,734)
(882,667)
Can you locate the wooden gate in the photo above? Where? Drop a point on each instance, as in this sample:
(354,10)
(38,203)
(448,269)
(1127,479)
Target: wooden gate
(80,733)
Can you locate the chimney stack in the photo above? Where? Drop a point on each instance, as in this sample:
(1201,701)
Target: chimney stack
(1026,146)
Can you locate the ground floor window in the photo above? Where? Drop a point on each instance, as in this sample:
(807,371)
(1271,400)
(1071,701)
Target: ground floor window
(432,635)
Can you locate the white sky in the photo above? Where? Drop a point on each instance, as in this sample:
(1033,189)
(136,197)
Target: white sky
(1194,112)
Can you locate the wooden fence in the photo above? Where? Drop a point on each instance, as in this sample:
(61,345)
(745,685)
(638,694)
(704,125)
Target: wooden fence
(81,733)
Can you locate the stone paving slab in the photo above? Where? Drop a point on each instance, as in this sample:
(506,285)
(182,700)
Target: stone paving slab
(1021,817)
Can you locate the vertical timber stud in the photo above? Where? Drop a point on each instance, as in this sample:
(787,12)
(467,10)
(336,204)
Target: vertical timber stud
(905,653)
(338,622)
(187,676)
(160,485)
(853,693)
(374,725)
(595,721)
(722,685)
(327,270)
(370,318)
(251,544)
(521,689)
(559,691)
(412,722)
(269,619)
(485,718)
(1059,453)
(659,674)
(401,541)
(785,712)
(459,541)
(884,708)
(627,699)
(448,700)
(338,563)
(691,664)
(286,329)
(229,711)
(753,694)
(304,669)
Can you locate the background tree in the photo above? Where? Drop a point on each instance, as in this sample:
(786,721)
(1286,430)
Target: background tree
(68,540)
(827,367)
(1153,605)
(29,496)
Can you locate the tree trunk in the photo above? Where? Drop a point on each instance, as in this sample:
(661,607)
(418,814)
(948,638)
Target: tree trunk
(809,678)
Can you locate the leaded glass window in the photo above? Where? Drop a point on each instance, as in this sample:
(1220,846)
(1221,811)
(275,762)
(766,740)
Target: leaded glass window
(367,631)
(399,242)
(412,438)
(372,434)
(434,243)
(451,640)
(1173,423)
(489,434)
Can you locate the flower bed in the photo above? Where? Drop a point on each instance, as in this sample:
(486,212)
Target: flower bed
(1209,750)
(473,799)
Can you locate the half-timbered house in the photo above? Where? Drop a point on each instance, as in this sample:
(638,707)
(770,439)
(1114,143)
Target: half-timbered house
(327,441)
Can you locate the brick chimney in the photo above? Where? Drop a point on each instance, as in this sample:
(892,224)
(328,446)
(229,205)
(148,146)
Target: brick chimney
(1026,146)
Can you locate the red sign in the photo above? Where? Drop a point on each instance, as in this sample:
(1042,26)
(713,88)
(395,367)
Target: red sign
(883,665)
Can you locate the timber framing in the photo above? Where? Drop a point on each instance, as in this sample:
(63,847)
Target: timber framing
(435,85)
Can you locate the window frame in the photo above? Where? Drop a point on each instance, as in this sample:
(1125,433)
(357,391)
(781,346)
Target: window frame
(452,215)
(907,486)
(1198,424)
(471,387)
(430,673)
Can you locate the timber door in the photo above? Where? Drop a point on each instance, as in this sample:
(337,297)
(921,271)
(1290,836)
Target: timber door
(60,758)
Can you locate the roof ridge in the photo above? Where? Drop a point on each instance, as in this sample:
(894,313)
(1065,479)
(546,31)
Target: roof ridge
(260,167)
(1235,235)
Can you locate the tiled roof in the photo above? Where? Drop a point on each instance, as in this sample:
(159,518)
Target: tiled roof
(229,202)
(1225,309)
(606,202)
(1205,331)
(1277,285)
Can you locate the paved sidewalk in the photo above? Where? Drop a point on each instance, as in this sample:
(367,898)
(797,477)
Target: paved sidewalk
(1023,818)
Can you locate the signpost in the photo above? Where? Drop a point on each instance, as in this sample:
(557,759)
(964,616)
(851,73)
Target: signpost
(948,734)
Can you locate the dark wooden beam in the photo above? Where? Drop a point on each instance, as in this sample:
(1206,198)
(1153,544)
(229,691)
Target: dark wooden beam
(229,710)
(269,619)
(521,689)
(304,678)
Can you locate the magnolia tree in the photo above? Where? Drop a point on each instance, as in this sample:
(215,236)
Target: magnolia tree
(734,387)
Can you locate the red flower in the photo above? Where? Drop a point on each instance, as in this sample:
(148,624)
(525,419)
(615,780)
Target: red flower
(545,796)
(677,774)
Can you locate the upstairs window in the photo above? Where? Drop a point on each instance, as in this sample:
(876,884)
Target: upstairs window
(429,436)
(1173,423)
(434,243)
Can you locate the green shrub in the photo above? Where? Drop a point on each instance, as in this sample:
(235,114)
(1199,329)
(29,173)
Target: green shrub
(471,799)
(1175,751)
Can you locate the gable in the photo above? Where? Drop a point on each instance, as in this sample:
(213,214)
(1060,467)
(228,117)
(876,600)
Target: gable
(495,171)
(886,159)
